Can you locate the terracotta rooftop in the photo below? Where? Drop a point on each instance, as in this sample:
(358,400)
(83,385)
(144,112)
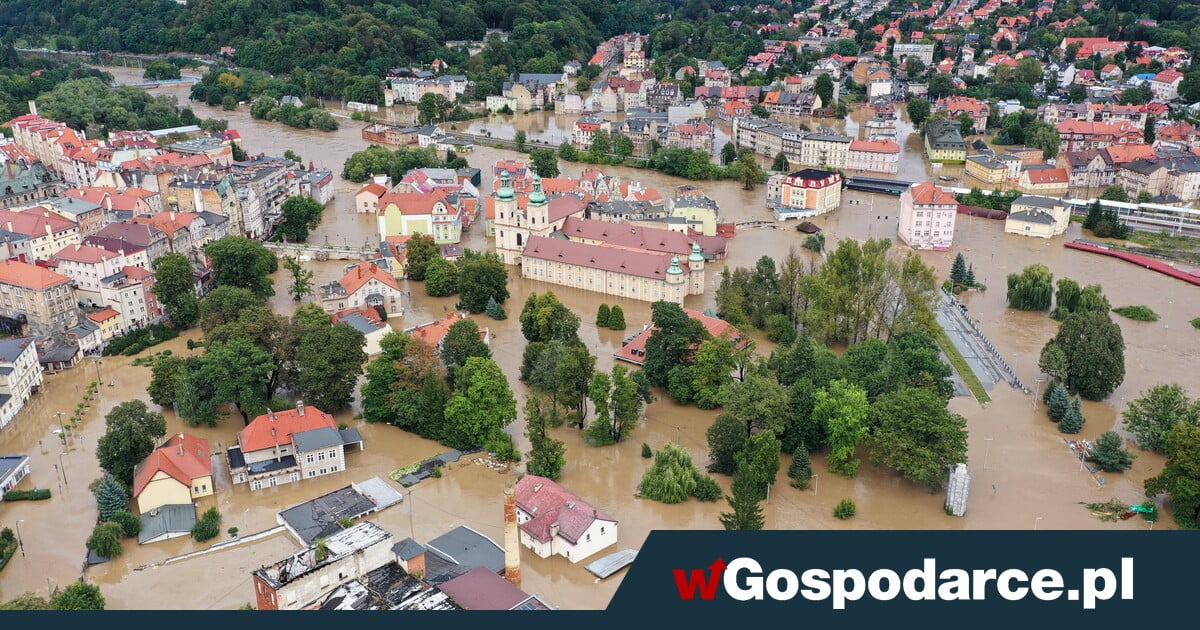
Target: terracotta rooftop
(85,254)
(635,351)
(375,189)
(875,146)
(414,203)
(613,259)
(548,503)
(103,315)
(363,273)
(928,193)
(29,276)
(34,222)
(434,332)
(1047,176)
(272,428)
(169,222)
(184,457)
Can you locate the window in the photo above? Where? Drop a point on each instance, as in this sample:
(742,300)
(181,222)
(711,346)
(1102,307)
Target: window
(312,473)
(309,458)
(273,481)
(333,469)
(256,484)
(589,538)
(324,471)
(332,454)
(602,530)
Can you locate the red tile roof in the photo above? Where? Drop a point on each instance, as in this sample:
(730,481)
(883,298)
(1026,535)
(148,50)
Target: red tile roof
(375,189)
(433,332)
(103,315)
(614,259)
(184,457)
(548,503)
(269,429)
(414,203)
(85,254)
(928,193)
(875,146)
(29,276)
(34,222)
(635,351)
(169,222)
(1047,176)
(363,273)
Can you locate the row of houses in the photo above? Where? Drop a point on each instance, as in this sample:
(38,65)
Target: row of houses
(822,148)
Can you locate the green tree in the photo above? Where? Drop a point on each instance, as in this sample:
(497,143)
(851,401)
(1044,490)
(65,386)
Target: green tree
(842,408)
(105,540)
(130,524)
(481,406)
(958,270)
(824,88)
(164,380)
(672,478)
(1114,193)
(917,436)
(780,164)
(846,508)
(519,139)
(300,214)
(1032,289)
(162,70)
(111,497)
(750,173)
(420,251)
(547,456)
(729,154)
(1152,415)
(441,277)
(672,341)
(918,111)
(1053,361)
(1110,453)
(131,433)
(601,144)
(175,288)
(1058,403)
(78,596)
(759,461)
(330,360)
(1180,476)
(966,124)
(726,438)
(616,317)
(1095,353)
(242,262)
(602,316)
(544,162)
(224,305)
(618,405)
(568,152)
(481,277)
(463,340)
(1073,420)
(759,401)
(800,469)
(624,146)
(432,107)
(712,370)
(544,318)
(293,156)
(745,512)
(301,279)
(494,310)
(27,601)
(1044,137)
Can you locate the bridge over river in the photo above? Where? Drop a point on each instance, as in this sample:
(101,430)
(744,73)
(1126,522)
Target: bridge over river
(311,251)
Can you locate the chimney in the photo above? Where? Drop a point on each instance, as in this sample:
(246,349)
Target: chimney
(512,544)
(300,407)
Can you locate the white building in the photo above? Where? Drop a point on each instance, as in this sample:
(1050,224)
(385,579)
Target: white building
(20,376)
(554,521)
(13,468)
(927,214)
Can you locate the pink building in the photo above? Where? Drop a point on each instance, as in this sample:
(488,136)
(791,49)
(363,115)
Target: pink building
(927,214)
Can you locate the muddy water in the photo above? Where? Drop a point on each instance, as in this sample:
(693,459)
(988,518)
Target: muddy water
(1021,469)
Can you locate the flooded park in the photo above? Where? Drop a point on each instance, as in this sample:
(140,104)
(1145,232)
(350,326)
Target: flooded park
(1023,474)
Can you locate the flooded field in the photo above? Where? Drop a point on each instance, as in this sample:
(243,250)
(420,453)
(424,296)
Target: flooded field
(1023,475)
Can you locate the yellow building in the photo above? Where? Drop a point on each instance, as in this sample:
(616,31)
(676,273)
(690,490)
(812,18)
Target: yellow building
(109,322)
(809,192)
(987,170)
(1052,182)
(177,473)
(408,214)
(944,142)
(700,212)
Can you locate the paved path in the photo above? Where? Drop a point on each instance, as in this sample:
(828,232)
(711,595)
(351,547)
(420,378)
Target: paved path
(983,357)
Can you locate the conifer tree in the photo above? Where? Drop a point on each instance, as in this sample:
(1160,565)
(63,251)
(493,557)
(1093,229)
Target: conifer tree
(110,497)
(494,310)
(801,469)
(958,270)
(616,318)
(1059,403)
(747,513)
(602,316)
(969,280)
(1072,421)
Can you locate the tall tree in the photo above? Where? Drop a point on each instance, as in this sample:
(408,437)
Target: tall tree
(419,252)
(1058,403)
(1180,476)
(78,596)
(301,214)
(441,277)
(397,388)
(1152,415)
(480,407)
(240,371)
(729,154)
(463,340)
(481,277)
(1110,453)
(111,497)
(842,408)
(519,139)
(672,342)
(759,401)
(544,162)
(824,88)
(226,304)
(1073,420)
(131,433)
(544,318)
(1032,289)
(750,173)
(301,279)
(917,436)
(329,362)
(238,261)
(958,270)
(800,469)
(759,461)
(712,371)
(780,164)
(727,437)
(175,288)
(547,456)
(745,512)
(918,110)
(1095,352)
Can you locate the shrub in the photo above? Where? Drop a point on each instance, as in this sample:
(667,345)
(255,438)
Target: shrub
(673,478)
(602,316)
(707,488)
(780,329)
(616,317)
(1196,323)
(647,452)
(208,527)
(37,494)
(130,524)
(233,532)
(106,539)
(1137,313)
(845,509)
(436,473)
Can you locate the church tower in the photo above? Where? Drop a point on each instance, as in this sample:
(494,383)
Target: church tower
(509,240)
(676,283)
(537,211)
(696,269)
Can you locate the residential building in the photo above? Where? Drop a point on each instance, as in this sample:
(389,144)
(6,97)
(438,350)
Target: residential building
(303,579)
(366,320)
(178,472)
(987,169)
(23,179)
(140,244)
(85,214)
(1165,85)
(699,211)
(108,321)
(875,156)
(87,266)
(944,142)
(1041,217)
(954,106)
(41,299)
(1044,181)
(364,284)
(13,468)
(825,148)
(924,52)
(1144,176)
(185,231)
(287,446)
(366,200)
(553,521)
(927,214)
(46,231)
(806,193)
(436,213)
(695,135)
(20,376)
(434,332)
(130,293)
(1079,135)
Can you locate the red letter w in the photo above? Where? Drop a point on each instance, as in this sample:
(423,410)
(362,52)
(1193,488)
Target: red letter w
(689,585)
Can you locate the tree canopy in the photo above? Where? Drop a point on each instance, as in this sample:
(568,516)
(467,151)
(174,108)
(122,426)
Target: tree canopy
(242,262)
(131,433)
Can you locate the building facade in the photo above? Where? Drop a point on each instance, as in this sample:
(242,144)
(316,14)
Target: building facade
(927,214)
(20,376)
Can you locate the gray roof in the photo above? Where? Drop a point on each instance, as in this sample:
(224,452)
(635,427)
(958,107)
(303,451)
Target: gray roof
(1032,216)
(9,463)
(408,549)
(319,518)
(236,459)
(460,550)
(350,436)
(212,218)
(1144,167)
(72,205)
(316,439)
(59,352)
(361,324)
(166,520)
(5,370)
(1036,200)
(258,468)
(10,349)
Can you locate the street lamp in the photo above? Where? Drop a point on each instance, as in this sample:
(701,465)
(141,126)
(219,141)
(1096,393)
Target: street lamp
(62,426)
(815,482)
(20,541)
(64,468)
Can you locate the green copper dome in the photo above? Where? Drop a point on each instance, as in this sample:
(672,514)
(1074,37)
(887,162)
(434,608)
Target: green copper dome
(696,255)
(506,192)
(537,197)
(675,268)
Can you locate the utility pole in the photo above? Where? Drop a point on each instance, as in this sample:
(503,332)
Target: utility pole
(677,429)
(411,530)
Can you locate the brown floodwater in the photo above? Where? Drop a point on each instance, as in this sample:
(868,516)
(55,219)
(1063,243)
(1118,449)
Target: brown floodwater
(1023,476)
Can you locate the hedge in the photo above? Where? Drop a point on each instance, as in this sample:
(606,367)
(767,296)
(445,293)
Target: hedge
(37,494)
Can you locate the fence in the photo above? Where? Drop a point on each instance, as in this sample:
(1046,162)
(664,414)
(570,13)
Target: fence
(1013,380)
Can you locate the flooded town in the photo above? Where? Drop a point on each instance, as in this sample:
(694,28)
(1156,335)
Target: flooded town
(1024,473)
